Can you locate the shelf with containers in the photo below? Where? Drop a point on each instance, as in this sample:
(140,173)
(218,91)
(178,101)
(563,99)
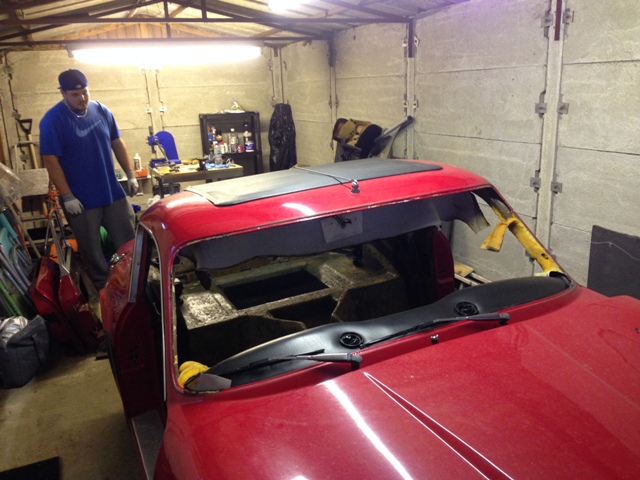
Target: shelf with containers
(240,122)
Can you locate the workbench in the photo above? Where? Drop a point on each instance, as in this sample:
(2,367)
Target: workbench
(192,175)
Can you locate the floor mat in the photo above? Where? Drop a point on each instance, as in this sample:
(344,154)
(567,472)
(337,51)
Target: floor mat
(44,470)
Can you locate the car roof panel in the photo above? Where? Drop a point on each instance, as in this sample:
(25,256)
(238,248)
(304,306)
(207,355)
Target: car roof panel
(298,179)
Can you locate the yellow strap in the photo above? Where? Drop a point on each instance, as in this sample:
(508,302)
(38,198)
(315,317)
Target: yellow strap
(494,242)
(189,370)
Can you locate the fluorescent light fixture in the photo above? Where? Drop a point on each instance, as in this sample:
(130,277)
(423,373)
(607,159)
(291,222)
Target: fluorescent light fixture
(156,55)
(283,5)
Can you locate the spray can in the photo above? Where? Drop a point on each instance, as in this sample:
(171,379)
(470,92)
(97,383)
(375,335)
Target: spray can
(137,165)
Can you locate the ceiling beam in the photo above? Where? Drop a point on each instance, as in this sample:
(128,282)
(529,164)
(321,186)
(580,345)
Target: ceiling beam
(245,14)
(267,41)
(364,9)
(51,27)
(281,20)
(134,10)
(18,13)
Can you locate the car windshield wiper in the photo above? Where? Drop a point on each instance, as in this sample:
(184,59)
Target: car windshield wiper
(209,381)
(502,318)
(315,356)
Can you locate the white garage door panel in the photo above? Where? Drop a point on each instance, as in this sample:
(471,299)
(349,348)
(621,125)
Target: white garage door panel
(309,101)
(491,104)
(304,62)
(371,51)
(48,64)
(33,105)
(507,165)
(508,262)
(313,143)
(307,89)
(604,107)
(249,72)
(376,100)
(603,31)
(571,250)
(591,183)
(129,106)
(33,95)
(185,104)
(482,34)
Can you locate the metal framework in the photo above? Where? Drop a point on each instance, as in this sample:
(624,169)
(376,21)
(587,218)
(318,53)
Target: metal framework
(28,24)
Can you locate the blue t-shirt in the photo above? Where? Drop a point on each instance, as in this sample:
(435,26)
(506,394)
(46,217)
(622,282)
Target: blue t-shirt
(83,146)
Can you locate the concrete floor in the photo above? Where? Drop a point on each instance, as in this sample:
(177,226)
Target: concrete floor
(72,410)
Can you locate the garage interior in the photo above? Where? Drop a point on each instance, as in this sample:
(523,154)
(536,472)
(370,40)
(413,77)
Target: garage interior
(540,97)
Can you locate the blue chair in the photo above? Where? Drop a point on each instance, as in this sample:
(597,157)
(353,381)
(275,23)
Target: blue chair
(164,140)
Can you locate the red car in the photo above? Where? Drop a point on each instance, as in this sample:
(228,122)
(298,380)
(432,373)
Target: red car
(371,319)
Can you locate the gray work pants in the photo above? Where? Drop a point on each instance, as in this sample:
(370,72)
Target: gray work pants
(118,220)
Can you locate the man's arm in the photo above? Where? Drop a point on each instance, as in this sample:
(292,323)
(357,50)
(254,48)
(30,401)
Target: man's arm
(71,205)
(122,155)
(56,175)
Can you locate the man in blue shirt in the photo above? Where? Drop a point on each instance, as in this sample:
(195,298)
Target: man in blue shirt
(77,137)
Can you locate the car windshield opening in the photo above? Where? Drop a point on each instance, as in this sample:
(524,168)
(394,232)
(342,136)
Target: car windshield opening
(300,287)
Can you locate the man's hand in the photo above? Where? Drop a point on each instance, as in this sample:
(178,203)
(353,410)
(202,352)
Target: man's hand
(132,183)
(71,204)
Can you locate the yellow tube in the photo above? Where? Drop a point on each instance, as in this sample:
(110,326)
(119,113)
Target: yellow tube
(494,242)
(189,370)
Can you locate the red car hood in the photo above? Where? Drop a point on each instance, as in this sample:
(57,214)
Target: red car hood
(544,398)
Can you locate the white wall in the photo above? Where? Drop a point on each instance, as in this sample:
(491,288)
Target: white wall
(371,76)
(28,86)
(479,70)
(306,76)
(598,160)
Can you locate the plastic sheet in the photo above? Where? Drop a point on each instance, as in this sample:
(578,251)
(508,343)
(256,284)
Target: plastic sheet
(34,182)
(10,187)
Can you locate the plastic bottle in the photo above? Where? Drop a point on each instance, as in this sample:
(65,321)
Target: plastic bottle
(137,164)
(249,146)
(212,135)
(217,155)
(233,141)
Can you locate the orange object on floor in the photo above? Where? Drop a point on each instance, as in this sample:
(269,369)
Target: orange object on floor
(53,251)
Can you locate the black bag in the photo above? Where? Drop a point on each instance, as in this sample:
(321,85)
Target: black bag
(282,138)
(24,352)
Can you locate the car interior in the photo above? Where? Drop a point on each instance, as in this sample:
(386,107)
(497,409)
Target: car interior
(332,284)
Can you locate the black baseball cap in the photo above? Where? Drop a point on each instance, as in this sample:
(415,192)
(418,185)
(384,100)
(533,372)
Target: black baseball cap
(72,80)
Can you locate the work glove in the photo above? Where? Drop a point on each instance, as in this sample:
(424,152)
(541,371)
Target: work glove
(71,204)
(132,183)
